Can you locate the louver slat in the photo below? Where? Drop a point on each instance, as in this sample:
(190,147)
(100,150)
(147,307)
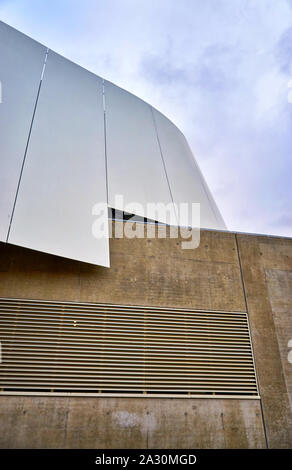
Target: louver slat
(127,350)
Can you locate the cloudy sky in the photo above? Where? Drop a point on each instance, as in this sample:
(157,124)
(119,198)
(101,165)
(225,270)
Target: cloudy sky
(220,69)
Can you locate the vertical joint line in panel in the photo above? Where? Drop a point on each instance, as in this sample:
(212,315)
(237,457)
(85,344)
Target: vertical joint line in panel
(163,162)
(246,308)
(250,339)
(105,140)
(27,143)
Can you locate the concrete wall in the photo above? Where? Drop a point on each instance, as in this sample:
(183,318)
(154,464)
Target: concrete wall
(226,272)
(143,271)
(77,422)
(267,275)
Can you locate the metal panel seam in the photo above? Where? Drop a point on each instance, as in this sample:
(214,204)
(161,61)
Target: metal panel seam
(105,138)
(27,143)
(163,161)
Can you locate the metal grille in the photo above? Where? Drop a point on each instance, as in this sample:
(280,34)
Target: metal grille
(117,349)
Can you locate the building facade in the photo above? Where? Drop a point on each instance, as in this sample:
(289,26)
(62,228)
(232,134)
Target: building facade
(126,342)
(227,273)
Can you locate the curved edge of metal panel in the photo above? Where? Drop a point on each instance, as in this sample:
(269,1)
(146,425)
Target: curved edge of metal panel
(150,152)
(217,223)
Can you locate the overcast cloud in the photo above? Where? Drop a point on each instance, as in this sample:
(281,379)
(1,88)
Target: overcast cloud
(218,68)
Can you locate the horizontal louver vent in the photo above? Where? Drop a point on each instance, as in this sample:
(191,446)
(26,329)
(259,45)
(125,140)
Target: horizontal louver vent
(113,349)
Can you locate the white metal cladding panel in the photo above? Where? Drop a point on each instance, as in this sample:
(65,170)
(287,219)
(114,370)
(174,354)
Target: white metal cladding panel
(186,181)
(21,63)
(98,348)
(64,172)
(135,165)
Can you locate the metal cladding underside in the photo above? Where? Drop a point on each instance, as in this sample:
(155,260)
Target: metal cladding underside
(70,140)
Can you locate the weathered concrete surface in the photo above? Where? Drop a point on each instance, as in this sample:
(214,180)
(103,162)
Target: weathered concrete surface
(267,274)
(279,283)
(158,272)
(77,422)
(143,271)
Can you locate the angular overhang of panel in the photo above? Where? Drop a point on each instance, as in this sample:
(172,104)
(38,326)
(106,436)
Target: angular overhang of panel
(134,162)
(21,64)
(70,141)
(186,181)
(64,174)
